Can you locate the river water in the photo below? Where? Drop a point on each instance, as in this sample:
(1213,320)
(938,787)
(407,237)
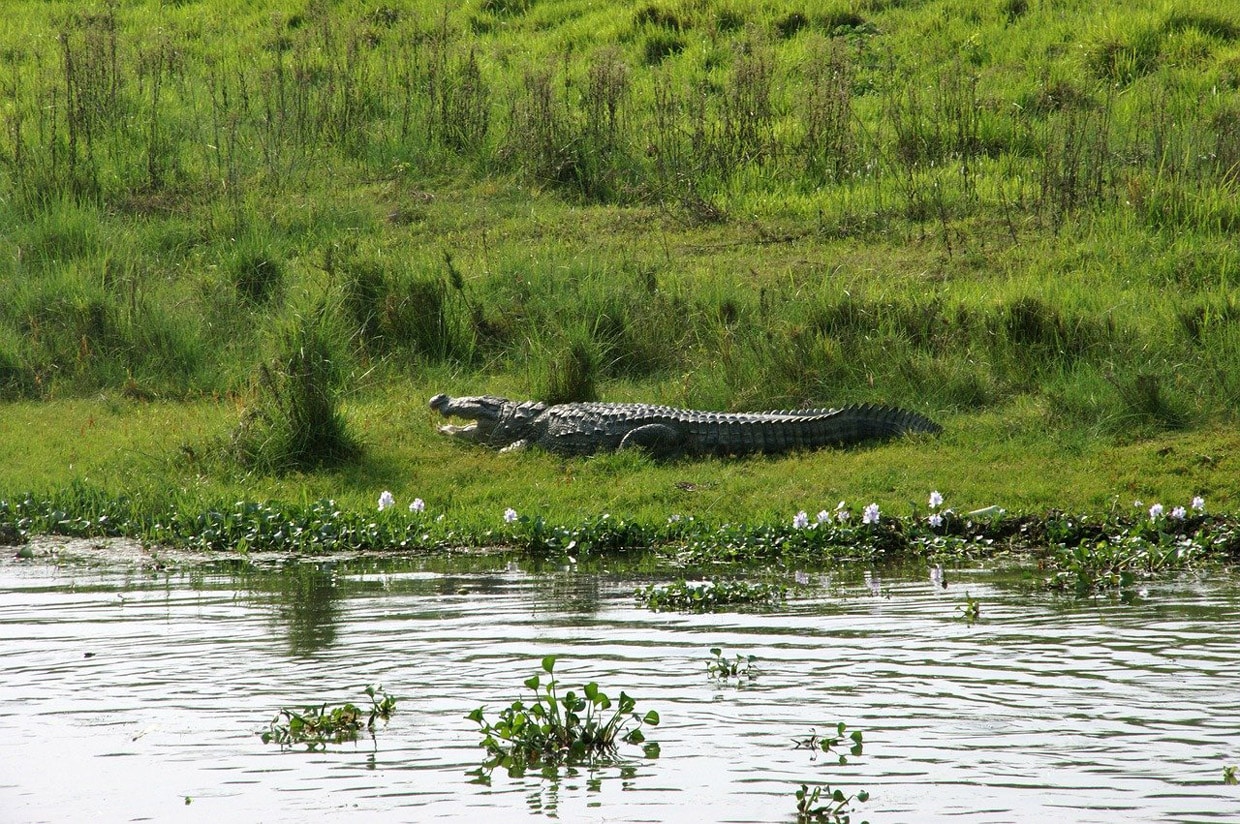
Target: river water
(131,694)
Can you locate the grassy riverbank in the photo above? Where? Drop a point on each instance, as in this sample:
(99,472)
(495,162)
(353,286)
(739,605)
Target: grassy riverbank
(1017,218)
(165,450)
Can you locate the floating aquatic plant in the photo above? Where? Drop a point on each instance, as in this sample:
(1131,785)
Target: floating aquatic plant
(722,669)
(835,806)
(830,743)
(316,727)
(705,596)
(970,610)
(555,729)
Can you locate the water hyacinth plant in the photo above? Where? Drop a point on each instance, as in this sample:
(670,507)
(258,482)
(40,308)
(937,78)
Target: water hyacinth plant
(970,610)
(722,669)
(870,515)
(1076,553)
(708,596)
(830,743)
(316,727)
(937,516)
(836,806)
(574,728)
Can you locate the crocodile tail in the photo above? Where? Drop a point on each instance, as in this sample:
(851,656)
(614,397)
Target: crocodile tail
(876,421)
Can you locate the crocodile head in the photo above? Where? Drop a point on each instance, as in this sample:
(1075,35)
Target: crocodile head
(497,422)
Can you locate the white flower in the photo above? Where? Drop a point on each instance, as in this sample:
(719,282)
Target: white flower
(935,520)
(386,500)
(1178,513)
(418,505)
(510,515)
(823,516)
(1156,512)
(936,500)
(800,521)
(842,514)
(870,516)
(1199,504)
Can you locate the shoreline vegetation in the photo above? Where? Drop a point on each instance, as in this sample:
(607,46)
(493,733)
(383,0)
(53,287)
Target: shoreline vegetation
(240,248)
(1062,552)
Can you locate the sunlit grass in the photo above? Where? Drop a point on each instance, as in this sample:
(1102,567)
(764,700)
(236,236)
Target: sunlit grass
(1023,228)
(1003,458)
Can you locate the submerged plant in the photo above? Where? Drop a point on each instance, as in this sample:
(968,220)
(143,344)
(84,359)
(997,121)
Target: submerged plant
(720,668)
(836,807)
(316,727)
(553,729)
(831,743)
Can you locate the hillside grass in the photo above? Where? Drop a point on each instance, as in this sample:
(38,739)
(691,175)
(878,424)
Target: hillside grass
(1018,218)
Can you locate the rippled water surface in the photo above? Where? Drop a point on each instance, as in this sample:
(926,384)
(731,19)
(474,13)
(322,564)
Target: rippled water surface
(123,693)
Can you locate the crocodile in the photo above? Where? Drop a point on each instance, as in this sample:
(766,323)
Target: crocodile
(667,432)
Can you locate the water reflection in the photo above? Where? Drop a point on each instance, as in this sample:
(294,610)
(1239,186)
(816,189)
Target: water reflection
(307,604)
(568,592)
(1051,708)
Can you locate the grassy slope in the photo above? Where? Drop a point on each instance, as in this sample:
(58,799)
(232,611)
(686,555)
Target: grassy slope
(160,262)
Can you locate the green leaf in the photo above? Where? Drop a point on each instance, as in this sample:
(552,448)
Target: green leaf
(863,796)
(532,682)
(651,718)
(716,651)
(548,663)
(591,691)
(651,750)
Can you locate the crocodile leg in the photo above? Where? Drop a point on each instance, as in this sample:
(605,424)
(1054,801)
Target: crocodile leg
(656,439)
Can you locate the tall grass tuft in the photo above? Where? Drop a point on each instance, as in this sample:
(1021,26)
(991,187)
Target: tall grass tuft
(572,375)
(294,421)
(1147,400)
(17,379)
(827,116)
(460,98)
(254,270)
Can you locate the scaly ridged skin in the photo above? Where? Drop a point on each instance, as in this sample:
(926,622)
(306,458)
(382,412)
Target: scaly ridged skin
(664,431)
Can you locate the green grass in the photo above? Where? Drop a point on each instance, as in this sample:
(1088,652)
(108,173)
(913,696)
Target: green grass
(163,450)
(1018,218)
